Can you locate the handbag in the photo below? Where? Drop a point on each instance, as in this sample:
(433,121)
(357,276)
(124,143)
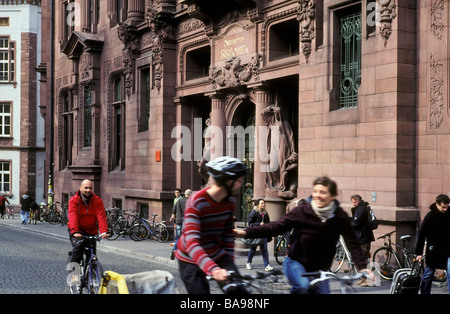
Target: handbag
(253,241)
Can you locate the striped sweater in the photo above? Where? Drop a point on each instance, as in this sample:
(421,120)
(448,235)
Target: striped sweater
(207,232)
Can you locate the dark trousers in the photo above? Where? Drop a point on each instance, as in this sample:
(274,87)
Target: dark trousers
(194,278)
(78,247)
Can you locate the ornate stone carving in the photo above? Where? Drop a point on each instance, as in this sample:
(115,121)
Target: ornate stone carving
(306,17)
(234,73)
(388,12)
(131,40)
(160,30)
(85,65)
(437,23)
(436,94)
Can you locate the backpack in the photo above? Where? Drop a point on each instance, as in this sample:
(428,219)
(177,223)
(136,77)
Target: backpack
(372,221)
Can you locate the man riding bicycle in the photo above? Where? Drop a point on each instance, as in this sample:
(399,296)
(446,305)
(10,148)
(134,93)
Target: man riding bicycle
(206,245)
(87,216)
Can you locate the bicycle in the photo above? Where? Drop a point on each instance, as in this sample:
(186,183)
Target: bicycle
(88,274)
(145,229)
(10,211)
(282,247)
(123,225)
(346,282)
(64,215)
(263,282)
(342,255)
(388,259)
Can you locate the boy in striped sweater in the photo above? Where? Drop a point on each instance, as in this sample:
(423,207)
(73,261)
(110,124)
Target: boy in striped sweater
(206,246)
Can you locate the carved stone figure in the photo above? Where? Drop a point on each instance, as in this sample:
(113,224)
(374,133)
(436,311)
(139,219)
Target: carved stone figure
(280,147)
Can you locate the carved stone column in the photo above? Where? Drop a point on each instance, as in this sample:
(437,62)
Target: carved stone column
(263,99)
(218,125)
(136,11)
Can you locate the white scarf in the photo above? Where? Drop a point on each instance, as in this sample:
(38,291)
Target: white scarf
(325,212)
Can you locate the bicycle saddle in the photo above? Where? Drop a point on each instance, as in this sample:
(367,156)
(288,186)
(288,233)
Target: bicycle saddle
(405,238)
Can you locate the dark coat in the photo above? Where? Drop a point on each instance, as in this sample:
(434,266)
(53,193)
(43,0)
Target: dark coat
(25,202)
(435,231)
(255,218)
(359,222)
(313,241)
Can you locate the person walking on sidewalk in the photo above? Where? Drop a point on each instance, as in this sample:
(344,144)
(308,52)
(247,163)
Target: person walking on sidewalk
(87,216)
(3,201)
(25,206)
(364,235)
(206,246)
(317,227)
(178,216)
(435,231)
(259,217)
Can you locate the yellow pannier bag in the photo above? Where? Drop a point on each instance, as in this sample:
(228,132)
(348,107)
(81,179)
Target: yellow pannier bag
(113,283)
(149,282)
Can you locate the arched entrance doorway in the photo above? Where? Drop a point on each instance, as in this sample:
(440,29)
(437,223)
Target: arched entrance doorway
(241,142)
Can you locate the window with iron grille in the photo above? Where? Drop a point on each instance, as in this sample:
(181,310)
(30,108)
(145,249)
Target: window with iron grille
(87,116)
(350,70)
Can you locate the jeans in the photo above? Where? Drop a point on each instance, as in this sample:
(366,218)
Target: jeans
(293,271)
(425,286)
(24,214)
(178,228)
(265,253)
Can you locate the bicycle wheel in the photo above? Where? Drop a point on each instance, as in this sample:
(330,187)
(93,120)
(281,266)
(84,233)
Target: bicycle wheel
(138,233)
(54,217)
(117,229)
(339,259)
(94,277)
(388,262)
(162,233)
(281,250)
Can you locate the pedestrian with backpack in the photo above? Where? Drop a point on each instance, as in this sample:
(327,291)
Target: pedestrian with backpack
(434,231)
(362,225)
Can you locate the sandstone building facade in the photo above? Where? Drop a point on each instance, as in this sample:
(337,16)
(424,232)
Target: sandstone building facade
(22,142)
(356,90)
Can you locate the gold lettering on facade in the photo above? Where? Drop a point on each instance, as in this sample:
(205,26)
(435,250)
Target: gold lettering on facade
(231,51)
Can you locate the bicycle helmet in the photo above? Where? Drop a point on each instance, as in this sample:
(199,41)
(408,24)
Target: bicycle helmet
(226,168)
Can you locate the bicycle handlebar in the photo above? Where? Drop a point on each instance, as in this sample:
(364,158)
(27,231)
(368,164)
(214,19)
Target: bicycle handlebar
(232,275)
(325,275)
(386,235)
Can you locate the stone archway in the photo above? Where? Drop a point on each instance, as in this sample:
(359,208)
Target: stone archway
(240,144)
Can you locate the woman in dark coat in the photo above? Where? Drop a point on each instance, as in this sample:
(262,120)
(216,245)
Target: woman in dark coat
(259,217)
(434,230)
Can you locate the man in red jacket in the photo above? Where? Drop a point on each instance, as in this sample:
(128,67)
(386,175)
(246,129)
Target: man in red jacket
(87,216)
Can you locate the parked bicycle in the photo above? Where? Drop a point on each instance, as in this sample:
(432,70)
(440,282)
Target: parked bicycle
(88,274)
(145,229)
(10,211)
(342,255)
(282,247)
(346,282)
(271,282)
(122,226)
(64,214)
(388,259)
(49,214)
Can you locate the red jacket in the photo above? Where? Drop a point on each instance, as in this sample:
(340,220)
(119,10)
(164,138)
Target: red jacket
(87,219)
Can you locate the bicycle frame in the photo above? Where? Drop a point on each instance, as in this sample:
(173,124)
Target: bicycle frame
(86,270)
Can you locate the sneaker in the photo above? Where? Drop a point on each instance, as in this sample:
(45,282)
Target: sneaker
(248,266)
(268,268)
